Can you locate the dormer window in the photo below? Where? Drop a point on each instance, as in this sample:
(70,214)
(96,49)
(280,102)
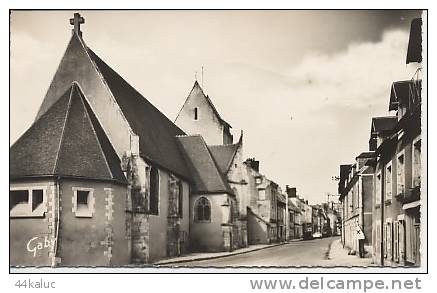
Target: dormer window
(196,114)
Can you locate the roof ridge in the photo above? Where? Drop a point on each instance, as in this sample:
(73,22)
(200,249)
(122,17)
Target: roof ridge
(223,145)
(139,111)
(55,167)
(222,176)
(188,135)
(215,110)
(99,143)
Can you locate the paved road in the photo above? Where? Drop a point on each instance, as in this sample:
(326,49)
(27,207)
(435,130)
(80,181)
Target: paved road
(300,253)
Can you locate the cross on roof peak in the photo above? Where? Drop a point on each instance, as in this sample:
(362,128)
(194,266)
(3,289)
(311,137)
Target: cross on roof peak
(77,20)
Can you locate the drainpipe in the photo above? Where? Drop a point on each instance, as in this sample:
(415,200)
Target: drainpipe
(382,212)
(287,222)
(55,250)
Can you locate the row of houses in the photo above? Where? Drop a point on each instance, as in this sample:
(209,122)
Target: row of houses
(306,219)
(103,178)
(381,191)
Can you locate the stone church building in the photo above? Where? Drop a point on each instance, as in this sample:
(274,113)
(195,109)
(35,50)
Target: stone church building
(103,178)
(91,182)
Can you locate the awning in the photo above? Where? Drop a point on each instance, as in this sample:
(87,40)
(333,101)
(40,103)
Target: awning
(411,205)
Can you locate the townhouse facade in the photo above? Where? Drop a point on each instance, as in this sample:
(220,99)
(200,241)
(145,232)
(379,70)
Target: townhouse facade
(356,195)
(399,169)
(381,193)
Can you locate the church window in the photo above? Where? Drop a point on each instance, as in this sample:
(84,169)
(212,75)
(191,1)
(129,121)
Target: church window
(154,191)
(83,202)
(26,202)
(196,114)
(202,210)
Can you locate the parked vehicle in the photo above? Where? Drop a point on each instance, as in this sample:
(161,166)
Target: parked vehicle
(317,235)
(307,231)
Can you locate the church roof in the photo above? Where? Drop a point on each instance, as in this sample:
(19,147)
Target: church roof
(203,167)
(157,134)
(224,155)
(66,141)
(198,89)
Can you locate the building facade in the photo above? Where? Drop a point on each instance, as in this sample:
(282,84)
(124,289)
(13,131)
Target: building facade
(399,169)
(356,196)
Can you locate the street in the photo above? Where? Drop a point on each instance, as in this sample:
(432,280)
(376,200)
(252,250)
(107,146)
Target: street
(299,253)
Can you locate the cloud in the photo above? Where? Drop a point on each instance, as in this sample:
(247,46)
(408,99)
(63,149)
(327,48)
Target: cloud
(331,98)
(357,77)
(257,87)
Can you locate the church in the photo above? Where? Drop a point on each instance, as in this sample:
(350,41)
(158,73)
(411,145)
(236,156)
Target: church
(91,182)
(103,178)
(257,205)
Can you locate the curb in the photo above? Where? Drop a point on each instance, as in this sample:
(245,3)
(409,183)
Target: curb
(220,256)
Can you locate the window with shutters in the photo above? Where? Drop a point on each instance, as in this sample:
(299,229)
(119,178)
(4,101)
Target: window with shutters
(378,237)
(378,189)
(401,173)
(416,162)
(396,241)
(388,182)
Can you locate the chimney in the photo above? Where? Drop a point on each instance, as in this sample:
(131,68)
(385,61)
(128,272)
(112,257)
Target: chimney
(291,191)
(254,164)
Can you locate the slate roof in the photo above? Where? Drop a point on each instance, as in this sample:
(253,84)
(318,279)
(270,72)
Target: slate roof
(157,134)
(66,141)
(366,155)
(405,92)
(204,170)
(224,155)
(292,206)
(414,53)
(383,124)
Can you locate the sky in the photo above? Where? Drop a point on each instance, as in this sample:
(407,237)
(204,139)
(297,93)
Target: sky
(302,85)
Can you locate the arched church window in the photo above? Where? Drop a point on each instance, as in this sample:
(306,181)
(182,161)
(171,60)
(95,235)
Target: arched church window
(154,191)
(196,114)
(202,210)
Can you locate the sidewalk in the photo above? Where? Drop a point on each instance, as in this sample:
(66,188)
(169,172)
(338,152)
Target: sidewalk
(212,255)
(338,256)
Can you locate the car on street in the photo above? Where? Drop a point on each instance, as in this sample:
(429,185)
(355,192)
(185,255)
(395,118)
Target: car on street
(317,235)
